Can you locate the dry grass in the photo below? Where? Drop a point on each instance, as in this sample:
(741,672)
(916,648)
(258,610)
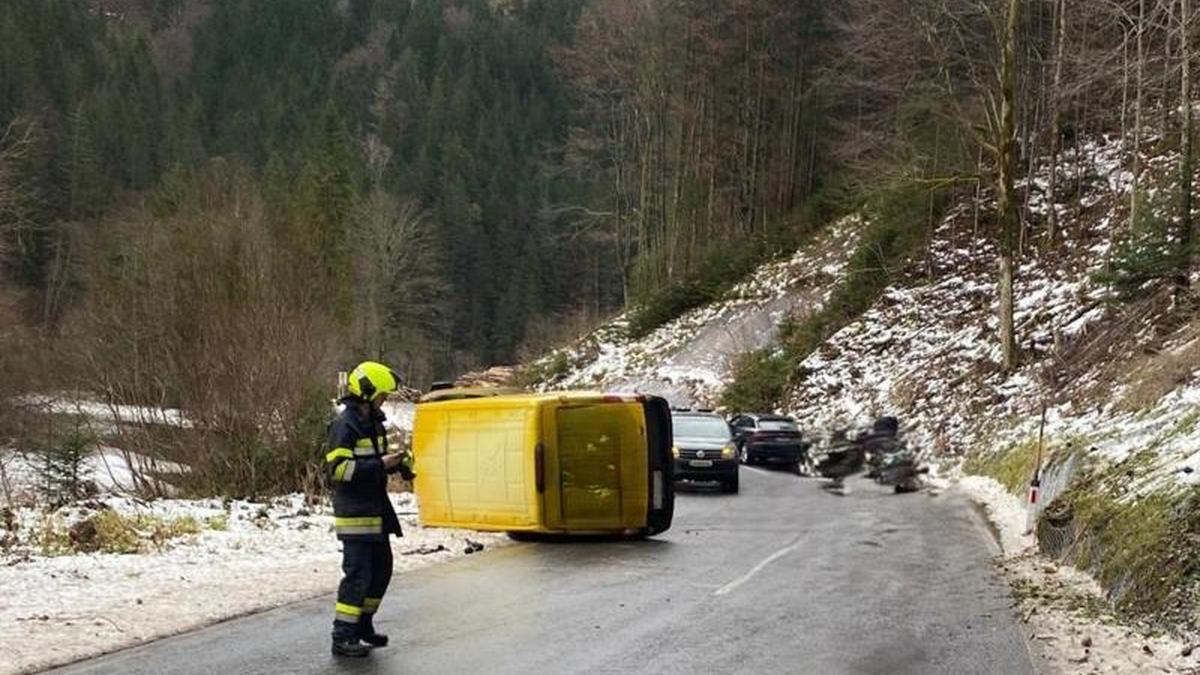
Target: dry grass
(1156,373)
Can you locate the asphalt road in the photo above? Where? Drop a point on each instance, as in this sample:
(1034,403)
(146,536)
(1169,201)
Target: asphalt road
(782,578)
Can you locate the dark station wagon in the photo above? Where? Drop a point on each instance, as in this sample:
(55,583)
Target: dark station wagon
(770,439)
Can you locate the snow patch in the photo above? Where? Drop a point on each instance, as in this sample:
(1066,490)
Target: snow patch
(55,610)
(1007,513)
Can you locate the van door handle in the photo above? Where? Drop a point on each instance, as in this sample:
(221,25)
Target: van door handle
(539,467)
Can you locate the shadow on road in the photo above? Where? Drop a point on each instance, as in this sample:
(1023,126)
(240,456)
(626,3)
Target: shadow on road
(544,538)
(710,489)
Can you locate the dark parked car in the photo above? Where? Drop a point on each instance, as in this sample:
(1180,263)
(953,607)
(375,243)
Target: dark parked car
(704,449)
(770,439)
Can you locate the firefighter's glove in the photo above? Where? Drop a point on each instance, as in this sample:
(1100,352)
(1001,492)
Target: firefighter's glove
(406,466)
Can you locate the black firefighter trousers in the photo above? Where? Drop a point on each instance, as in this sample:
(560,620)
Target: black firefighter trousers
(367,570)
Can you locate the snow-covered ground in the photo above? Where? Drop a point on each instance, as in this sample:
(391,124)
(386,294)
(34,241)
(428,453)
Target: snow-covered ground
(929,350)
(931,353)
(188,563)
(246,557)
(688,360)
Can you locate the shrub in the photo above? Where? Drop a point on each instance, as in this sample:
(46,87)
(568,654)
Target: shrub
(1149,251)
(110,531)
(760,380)
(213,308)
(546,371)
(217,523)
(61,468)
(719,272)
(730,262)
(114,533)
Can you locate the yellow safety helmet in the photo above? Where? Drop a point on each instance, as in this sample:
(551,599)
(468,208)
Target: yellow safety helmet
(369,380)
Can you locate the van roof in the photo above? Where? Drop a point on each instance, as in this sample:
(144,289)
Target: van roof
(469,393)
(459,393)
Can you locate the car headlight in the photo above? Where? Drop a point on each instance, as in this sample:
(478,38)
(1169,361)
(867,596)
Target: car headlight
(675,451)
(728,451)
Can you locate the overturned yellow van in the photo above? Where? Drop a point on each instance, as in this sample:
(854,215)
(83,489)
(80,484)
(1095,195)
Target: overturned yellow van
(569,463)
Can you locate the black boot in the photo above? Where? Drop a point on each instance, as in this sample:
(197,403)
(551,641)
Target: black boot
(366,632)
(349,647)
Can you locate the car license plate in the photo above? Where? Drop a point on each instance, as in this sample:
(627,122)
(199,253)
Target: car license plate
(701,462)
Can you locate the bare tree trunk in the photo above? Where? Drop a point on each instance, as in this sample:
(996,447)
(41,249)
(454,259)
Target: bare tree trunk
(1056,120)
(1137,111)
(1185,178)
(1007,165)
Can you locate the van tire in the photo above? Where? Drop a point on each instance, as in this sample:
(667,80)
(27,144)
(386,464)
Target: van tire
(730,486)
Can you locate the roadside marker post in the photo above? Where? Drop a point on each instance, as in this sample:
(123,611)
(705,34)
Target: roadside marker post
(1035,483)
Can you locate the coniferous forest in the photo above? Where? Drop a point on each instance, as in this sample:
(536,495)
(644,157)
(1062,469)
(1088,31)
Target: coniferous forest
(452,183)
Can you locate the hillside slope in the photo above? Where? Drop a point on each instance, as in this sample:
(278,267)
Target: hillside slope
(688,360)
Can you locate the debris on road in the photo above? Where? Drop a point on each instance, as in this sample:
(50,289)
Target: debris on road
(425,550)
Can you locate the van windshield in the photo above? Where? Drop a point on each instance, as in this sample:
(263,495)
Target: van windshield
(701,427)
(777,425)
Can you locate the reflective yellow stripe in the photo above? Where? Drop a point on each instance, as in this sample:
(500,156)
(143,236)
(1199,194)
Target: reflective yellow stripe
(359,525)
(370,605)
(364,452)
(369,529)
(343,608)
(362,521)
(334,454)
(344,471)
(347,613)
(363,443)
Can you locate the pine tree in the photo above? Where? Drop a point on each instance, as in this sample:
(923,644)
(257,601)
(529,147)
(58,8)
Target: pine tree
(88,189)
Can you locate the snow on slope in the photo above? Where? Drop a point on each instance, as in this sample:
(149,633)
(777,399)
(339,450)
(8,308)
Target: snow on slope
(689,359)
(929,352)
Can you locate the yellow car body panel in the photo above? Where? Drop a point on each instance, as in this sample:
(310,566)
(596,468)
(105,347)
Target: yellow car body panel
(552,463)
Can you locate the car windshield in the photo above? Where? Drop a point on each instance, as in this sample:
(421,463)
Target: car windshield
(701,427)
(777,425)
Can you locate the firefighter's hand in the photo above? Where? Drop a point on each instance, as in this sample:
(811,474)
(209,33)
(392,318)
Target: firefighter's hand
(393,461)
(407,473)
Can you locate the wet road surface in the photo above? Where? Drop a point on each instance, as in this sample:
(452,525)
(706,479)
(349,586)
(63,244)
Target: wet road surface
(782,578)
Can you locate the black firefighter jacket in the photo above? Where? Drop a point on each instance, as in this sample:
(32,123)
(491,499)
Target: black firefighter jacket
(354,465)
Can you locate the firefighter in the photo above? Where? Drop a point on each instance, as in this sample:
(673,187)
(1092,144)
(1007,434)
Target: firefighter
(357,464)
